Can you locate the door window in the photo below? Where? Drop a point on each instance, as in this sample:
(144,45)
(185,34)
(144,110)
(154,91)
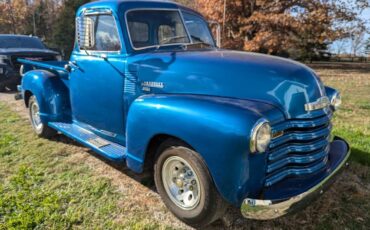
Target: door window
(106,37)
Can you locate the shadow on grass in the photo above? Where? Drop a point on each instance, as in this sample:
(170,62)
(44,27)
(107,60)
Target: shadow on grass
(360,156)
(145,178)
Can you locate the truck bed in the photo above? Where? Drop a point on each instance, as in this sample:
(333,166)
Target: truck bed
(53,66)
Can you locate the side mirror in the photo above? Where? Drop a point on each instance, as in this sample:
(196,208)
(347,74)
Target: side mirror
(216,29)
(85,32)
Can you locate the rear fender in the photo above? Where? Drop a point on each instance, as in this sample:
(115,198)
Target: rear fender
(217,128)
(51,94)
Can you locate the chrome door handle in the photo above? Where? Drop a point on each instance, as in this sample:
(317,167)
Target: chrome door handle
(72,65)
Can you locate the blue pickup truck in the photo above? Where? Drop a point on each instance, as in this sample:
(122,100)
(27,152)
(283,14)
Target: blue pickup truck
(148,87)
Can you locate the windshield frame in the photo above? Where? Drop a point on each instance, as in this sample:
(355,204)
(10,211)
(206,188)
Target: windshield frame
(163,45)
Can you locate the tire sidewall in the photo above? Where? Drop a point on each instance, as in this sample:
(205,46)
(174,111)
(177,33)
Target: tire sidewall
(204,212)
(32,101)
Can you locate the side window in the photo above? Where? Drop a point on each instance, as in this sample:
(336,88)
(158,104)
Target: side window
(106,37)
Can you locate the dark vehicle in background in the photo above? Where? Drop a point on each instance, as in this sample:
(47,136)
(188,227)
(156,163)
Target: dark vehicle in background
(13,47)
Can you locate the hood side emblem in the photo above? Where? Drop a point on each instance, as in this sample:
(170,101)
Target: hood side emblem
(321,103)
(147,85)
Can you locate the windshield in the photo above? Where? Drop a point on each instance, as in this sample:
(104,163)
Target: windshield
(20,42)
(155,28)
(198,29)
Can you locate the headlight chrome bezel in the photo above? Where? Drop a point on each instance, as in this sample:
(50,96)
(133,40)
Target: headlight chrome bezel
(254,139)
(336,100)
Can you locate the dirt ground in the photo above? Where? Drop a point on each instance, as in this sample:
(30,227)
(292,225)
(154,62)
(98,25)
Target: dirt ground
(326,212)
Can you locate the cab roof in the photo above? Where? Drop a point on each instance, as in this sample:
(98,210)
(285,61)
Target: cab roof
(117,5)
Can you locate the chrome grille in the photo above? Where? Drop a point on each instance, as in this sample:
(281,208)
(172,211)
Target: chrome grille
(302,149)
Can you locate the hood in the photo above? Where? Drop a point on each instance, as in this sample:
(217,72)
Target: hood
(283,83)
(27,51)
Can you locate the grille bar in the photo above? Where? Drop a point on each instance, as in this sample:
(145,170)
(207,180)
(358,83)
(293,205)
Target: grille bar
(307,123)
(297,148)
(296,171)
(302,150)
(302,136)
(298,159)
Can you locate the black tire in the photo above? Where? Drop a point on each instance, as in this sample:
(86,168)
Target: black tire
(42,130)
(13,87)
(2,87)
(211,205)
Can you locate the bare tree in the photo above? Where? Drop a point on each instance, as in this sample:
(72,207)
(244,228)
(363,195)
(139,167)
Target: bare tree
(341,46)
(357,41)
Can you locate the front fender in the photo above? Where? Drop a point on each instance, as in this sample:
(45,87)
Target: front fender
(51,93)
(217,128)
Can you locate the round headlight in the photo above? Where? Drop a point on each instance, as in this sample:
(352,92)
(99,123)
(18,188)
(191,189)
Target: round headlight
(260,136)
(336,101)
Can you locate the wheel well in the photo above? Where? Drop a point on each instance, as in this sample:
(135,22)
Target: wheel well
(27,95)
(153,146)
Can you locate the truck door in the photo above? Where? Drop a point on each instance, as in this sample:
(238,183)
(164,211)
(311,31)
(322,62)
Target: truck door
(97,79)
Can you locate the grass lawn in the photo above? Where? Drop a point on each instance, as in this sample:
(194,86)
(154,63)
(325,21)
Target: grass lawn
(50,185)
(353,120)
(56,184)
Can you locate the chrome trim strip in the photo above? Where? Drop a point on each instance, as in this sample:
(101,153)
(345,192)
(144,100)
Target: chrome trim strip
(321,103)
(97,11)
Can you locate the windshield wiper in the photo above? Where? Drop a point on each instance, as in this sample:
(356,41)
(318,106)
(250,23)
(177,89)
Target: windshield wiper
(199,41)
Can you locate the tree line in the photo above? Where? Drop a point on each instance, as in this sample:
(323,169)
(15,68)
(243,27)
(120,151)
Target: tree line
(51,20)
(292,28)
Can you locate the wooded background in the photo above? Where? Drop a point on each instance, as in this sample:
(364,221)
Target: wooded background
(299,29)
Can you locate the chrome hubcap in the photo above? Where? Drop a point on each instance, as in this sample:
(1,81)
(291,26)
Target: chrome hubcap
(35,116)
(181,183)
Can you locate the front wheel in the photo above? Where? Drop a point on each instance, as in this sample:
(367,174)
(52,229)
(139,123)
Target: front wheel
(185,185)
(41,129)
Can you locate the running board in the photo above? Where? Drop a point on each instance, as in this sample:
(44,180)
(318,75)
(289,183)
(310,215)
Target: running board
(107,149)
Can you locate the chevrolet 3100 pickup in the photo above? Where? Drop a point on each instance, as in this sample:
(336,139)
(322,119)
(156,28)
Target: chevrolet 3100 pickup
(147,86)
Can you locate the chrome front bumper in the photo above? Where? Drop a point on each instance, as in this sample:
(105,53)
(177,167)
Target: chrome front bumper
(271,209)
